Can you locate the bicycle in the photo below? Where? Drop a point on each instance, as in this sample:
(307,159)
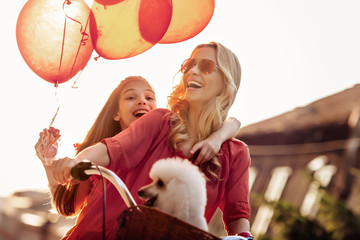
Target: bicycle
(141,222)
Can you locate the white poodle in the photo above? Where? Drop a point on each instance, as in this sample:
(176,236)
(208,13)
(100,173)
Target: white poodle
(178,189)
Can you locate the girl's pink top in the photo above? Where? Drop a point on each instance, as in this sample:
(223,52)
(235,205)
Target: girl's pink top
(132,153)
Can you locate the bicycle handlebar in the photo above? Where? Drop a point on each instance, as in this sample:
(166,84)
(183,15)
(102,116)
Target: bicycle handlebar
(83,170)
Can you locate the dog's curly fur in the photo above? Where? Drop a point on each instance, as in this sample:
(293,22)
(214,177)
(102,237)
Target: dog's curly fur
(178,189)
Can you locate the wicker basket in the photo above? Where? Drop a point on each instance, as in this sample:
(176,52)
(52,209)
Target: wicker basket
(148,223)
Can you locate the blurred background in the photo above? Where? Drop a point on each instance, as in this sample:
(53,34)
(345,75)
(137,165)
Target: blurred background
(298,104)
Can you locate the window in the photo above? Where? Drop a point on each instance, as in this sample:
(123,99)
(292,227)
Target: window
(252,176)
(279,177)
(322,176)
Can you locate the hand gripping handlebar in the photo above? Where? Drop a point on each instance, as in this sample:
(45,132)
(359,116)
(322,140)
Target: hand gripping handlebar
(83,170)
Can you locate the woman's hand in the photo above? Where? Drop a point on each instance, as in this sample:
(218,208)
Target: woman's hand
(47,146)
(205,150)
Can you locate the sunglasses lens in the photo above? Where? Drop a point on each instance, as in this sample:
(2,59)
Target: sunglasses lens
(206,66)
(187,65)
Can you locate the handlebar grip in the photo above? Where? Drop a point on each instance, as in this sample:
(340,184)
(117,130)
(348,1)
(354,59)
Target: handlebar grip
(78,171)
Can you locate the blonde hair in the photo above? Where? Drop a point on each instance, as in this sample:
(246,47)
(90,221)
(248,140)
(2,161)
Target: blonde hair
(214,112)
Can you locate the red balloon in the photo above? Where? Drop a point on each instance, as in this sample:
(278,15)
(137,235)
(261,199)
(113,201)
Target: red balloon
(108,2)
(154,19)
(189,18)
(128,28)
(54,39)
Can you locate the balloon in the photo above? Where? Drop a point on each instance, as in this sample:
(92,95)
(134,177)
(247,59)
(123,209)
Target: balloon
(54,39)
(154,20)
(108,2)
(128,28)
(189,18)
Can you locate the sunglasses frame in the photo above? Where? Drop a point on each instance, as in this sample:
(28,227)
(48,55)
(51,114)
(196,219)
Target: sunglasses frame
(183,66)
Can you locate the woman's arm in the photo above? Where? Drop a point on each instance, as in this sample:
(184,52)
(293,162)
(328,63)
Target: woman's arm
(210,147)
(238,226)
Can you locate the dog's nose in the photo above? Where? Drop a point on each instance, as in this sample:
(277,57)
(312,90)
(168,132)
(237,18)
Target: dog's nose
(141,193)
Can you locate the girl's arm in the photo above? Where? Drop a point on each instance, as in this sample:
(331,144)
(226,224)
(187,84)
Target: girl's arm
(59,174)
(58,171)
(61,168)
(46,150)
(209,147)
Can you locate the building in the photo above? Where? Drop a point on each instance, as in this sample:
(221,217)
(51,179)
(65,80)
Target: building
(321,139)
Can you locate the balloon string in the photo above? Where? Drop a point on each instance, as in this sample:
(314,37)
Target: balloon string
(63,45)
(61,57)
(77,78)
(57,100)
(83,40)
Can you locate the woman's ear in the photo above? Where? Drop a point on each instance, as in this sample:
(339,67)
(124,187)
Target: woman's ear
(116,117)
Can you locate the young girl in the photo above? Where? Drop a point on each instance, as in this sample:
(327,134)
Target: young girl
(198,107)
(131,99)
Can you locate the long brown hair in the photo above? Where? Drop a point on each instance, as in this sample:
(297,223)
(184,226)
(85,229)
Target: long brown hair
(104,126)
(214,113)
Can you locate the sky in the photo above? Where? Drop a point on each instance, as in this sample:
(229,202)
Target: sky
(291,52)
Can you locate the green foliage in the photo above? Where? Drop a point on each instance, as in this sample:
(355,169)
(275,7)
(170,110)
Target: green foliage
(355,172)
(289,224)
(334,221)
(338,219)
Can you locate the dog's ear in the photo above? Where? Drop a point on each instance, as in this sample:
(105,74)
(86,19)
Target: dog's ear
(179,198)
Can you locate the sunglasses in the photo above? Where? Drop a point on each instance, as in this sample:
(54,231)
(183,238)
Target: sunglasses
(206,66)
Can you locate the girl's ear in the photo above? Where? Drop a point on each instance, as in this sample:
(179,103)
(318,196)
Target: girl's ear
(116,117)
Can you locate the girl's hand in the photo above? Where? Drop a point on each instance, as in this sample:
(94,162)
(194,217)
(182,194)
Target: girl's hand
(61,169)
(47,145)
(205,150)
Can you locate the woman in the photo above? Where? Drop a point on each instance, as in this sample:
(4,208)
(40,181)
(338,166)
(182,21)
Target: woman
(199,106)
(131,99)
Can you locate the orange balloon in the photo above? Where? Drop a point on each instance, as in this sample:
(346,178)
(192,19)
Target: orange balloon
(54,46)
(128,28)
(189,18)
